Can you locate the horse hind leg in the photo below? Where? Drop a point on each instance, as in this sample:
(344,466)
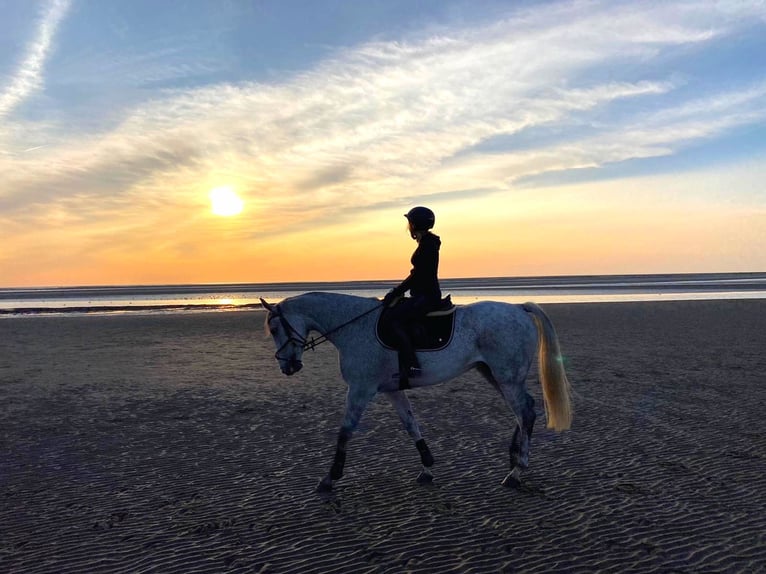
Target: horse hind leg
(513,390)
(519,448)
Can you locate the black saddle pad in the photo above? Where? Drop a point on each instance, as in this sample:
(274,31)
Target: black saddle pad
(428,333)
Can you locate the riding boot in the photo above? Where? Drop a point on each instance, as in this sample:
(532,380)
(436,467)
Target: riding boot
(406,371)
(409,366)
(404,377)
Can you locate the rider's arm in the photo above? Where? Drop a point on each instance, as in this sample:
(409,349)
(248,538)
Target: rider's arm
(402,288)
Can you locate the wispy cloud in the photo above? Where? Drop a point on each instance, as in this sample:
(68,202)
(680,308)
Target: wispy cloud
(386,121)
(29,75)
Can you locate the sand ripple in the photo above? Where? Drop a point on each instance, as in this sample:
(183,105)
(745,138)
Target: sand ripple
(173,444)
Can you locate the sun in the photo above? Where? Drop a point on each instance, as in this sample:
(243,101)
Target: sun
(224,202)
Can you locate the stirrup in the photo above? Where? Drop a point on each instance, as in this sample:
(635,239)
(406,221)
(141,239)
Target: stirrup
(404,377)
(412,373)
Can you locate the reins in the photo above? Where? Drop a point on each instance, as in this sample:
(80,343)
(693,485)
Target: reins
(324,337)
(294,335)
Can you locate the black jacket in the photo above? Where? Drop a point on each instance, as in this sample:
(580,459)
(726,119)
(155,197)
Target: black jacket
(423,280)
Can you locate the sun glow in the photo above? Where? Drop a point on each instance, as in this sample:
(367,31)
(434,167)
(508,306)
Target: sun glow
(225,202)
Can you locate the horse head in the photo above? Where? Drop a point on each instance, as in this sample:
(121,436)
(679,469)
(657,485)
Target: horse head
(289,338)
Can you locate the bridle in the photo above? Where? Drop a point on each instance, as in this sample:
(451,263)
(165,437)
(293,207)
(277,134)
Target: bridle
(294,337)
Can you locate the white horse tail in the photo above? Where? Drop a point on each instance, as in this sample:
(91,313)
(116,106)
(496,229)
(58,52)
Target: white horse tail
(556,389)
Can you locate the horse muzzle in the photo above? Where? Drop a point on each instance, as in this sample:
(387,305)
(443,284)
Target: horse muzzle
(291,366)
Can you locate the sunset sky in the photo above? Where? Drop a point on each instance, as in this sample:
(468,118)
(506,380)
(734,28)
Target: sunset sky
(550,138)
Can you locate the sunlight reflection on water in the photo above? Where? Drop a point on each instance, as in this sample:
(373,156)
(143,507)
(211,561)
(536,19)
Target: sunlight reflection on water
(171,299)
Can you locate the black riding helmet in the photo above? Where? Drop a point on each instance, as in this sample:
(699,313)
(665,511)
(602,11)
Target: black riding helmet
(420,218)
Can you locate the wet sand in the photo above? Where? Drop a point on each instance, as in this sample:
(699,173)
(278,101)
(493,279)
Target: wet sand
(172,443)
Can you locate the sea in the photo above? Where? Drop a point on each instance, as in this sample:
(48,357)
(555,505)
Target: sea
(39,301)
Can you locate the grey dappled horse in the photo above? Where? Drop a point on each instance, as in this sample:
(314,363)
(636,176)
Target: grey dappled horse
(499,339)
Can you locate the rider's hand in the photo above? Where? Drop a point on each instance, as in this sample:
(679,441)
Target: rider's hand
(390,298)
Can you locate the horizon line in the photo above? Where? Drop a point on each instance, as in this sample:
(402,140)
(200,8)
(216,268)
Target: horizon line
(382,282)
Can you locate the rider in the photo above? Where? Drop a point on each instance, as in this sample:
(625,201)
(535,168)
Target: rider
(423,285)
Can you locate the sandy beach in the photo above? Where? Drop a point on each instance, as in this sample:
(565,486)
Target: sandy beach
(172,443)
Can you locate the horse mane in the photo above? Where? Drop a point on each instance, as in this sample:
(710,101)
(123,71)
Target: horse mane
(304,300)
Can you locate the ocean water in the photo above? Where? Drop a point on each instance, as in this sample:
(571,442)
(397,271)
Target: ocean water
(242,296)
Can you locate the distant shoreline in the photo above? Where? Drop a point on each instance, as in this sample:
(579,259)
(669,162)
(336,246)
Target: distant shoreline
(549,281)
(246,296)
(114,309)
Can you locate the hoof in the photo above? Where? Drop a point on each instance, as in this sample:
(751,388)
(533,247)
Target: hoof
(425,454)
(324,486)
(511,481)
(425,478)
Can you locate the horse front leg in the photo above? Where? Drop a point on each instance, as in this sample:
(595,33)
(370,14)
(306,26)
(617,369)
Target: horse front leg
(401,403)
(356,403)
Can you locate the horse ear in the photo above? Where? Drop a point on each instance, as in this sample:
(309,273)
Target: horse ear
(266,306)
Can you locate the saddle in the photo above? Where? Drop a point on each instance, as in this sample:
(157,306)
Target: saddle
(431,333)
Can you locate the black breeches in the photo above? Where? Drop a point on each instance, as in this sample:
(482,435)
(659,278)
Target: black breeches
(400,318)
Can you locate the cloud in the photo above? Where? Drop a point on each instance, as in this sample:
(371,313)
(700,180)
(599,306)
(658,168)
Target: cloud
(29,75)
(390,122)
(662,133)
